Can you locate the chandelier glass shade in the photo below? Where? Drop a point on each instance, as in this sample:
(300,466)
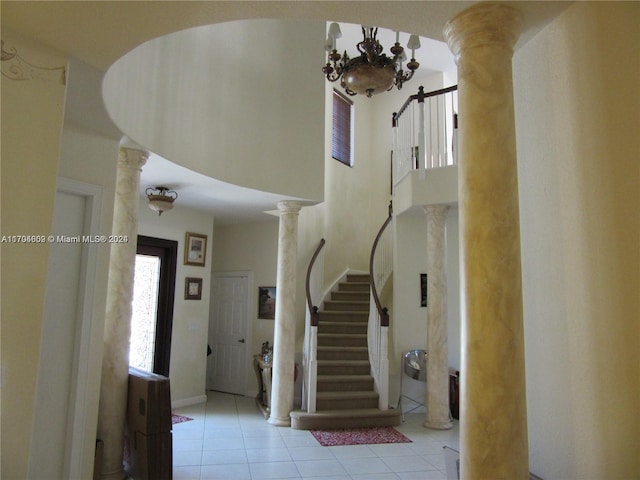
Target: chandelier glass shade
(160,199)
(371,72)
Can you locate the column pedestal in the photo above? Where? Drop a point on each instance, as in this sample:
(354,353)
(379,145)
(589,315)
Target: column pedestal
(284,340)
(493,422)
(115,363)
(437,398)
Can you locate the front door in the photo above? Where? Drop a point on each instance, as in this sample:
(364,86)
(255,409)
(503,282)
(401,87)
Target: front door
(152,306)
(227,364)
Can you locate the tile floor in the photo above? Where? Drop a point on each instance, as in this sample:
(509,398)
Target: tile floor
(229,439)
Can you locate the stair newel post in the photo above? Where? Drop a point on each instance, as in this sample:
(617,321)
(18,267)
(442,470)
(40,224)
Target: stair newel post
(422,151)
(313,362)
(383,399)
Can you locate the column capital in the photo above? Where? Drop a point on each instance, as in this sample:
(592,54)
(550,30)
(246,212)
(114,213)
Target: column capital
(481,25)
(289,206)
(132,157)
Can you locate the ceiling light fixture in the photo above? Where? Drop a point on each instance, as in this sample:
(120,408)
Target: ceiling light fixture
(372,72)
(160,199)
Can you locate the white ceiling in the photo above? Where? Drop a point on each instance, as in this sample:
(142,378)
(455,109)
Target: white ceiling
(226,202)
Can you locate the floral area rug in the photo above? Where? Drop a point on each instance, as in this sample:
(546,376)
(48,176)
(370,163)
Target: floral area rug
(359,436)
(175,418)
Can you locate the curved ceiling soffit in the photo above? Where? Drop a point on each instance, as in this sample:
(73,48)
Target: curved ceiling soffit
(228,127)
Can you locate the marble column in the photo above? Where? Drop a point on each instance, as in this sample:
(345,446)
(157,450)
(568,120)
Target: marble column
(437,398)
(284,340)
(493,422)
(117,329)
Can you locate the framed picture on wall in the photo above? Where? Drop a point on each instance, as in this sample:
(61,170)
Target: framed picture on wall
(267,303)
(195,249)
(192,288)
(423,289)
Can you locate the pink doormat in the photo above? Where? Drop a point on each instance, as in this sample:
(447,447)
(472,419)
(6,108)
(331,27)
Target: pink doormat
(175,418)
(359,436)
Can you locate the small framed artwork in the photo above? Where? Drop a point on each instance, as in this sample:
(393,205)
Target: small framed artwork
(195,249)
(192,288)
(423,289)
(267,303)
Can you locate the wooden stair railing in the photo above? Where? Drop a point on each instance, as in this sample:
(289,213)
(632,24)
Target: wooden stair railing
(313,309)
(378,330)
(382,311)
(310,359)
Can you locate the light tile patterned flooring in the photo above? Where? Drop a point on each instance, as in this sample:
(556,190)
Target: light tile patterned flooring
(229,439)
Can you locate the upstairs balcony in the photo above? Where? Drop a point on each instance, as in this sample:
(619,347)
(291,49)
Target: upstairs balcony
(425,156)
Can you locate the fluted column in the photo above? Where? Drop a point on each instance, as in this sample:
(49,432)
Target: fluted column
(493,423)
(117,330)
(285,322)
(437,397)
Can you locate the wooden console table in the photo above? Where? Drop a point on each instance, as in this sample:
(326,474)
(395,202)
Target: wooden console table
(263,372)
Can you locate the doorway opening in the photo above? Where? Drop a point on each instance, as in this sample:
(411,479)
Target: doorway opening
(152,306)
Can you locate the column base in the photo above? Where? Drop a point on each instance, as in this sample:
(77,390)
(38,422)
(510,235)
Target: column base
(448,425)
(279,422)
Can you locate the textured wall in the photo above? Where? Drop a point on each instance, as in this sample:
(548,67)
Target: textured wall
(577,104)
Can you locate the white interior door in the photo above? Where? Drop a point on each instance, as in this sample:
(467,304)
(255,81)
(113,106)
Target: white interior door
(227,364)
(60,447)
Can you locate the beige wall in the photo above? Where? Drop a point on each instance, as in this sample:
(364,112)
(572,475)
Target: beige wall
(577,115)
(250,247)
(32,117)
(188,364)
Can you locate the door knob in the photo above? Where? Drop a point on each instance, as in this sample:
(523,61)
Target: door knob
(241,340)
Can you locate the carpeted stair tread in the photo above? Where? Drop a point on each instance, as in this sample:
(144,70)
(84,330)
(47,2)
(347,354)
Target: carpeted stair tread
(342,348)
(350,296)
(342,327)
(363,412)
(364,417)
(344,362)
(353,336)
(342,353)
(343,339)
(343,378)
(344,316)
(346,395)
(346,306)
(354,287)
(342,383)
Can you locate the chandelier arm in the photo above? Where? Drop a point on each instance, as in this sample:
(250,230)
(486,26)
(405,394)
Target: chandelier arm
(333,76)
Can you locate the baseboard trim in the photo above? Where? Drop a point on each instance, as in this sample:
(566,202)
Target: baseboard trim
(185,402)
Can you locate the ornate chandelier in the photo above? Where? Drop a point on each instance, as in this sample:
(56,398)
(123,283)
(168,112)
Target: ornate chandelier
(372,72)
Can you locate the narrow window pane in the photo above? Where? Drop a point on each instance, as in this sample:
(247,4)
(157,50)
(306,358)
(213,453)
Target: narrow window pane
(342,135)
(144,312)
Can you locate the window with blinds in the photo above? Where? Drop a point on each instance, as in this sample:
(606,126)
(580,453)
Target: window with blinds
(342,138)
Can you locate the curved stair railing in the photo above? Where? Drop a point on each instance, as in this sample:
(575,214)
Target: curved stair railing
(380,269)
(310,347)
